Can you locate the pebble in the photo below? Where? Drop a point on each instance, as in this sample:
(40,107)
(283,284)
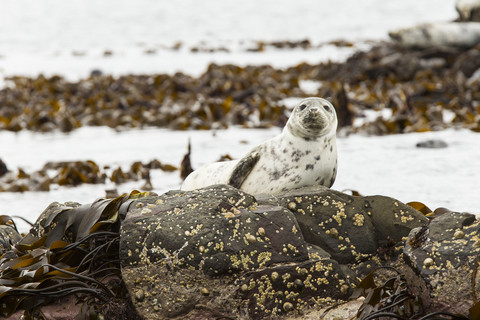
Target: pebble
(140,295)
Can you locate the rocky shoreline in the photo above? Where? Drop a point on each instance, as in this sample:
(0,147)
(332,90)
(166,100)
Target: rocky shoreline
(218,252)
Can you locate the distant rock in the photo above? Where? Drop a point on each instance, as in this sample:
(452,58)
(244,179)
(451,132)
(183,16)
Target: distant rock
(468,62)
(468,10)
(442,34)
(3,168)
(432,144)
(441,259)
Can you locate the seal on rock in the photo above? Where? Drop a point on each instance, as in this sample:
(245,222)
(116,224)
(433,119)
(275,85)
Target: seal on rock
(304,154)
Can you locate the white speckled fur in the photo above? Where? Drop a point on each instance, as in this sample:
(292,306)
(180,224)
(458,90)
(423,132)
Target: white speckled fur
(304,154)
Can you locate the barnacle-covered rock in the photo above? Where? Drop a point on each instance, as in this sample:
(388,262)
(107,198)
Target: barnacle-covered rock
(218,251)
(442,262)
(350,228)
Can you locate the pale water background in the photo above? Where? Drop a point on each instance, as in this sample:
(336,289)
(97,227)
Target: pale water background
(70,38)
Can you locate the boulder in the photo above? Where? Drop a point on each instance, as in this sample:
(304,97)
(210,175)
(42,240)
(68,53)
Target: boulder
(183,253)
(468,10)
(440,34)
(219,252)
(350,228)
(442,262)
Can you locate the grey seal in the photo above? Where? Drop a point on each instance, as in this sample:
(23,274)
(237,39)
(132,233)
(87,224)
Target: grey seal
(304,154)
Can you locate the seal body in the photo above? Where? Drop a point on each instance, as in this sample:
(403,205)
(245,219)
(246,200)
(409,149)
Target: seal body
(304,154)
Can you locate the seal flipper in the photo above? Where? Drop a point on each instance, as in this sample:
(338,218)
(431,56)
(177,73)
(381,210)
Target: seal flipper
(243,169)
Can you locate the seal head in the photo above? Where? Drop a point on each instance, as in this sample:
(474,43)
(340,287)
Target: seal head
(311,118)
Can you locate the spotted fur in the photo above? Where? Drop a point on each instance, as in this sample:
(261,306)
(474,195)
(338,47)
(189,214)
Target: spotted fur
(304,154)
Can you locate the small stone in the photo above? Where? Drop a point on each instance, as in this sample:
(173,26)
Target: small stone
(344,289)
(298,283)
(288,306)
(459,234)
(428,262)
(205,291)
(140,295)
(201,249)
(261,232)
(476,243)
(274,276)
(244,287)
(332,232)
(292,206)
(156,308)
(433,144)
(251,238)
(229,215)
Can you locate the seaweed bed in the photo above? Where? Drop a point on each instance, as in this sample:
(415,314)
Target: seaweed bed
(422,89)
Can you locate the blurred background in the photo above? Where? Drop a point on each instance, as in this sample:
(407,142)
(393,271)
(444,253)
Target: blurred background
(100,96)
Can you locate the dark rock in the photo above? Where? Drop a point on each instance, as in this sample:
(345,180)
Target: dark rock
(440,261)
(219,252)
(3,168)
(467,62)
(349,228)
(181,242)
(96,73)
(267,291)
(218,230)
(432,144)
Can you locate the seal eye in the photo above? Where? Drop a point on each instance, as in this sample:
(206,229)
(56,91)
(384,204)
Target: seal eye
(327,107)
(303,106)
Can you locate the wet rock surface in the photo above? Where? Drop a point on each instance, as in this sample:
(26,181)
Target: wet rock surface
(220,252)
(350,228)
(442,262)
